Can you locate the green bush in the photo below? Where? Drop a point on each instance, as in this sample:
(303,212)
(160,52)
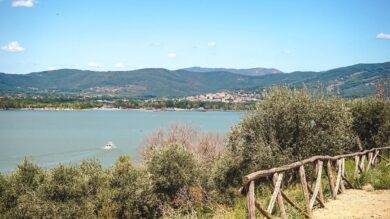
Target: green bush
(130,191)
(371,122)
(172,169)
(19,185)
(287,125)
(63,184)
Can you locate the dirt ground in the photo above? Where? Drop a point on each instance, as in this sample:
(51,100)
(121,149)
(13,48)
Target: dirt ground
(357,204)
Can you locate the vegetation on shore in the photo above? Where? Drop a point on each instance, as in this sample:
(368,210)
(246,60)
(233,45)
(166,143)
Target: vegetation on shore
(188,173)
(83,103)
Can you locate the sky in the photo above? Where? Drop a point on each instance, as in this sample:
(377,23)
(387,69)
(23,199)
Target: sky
(40,35)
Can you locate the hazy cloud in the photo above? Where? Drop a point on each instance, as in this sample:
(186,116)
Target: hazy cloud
(13,47)
(94,64)
(171,55)
(51,68)
(119,65)
(383,36)
(23,3)
(212,44)
(153,44)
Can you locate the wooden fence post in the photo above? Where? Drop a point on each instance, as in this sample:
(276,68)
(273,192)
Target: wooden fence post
(369,161)
(362,158)
(321,193)
(329,172)
(317,185)
(338,179)
(250,198)
(277,180)
(306,194)
(282,209)
(342,186)
(374,160)
(356,165)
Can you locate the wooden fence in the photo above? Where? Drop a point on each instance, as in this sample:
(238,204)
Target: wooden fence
(337,184)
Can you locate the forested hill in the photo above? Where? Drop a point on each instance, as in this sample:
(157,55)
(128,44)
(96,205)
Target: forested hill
(247,71)
(355,80)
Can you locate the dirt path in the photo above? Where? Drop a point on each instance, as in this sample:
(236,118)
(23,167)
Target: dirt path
(357,204)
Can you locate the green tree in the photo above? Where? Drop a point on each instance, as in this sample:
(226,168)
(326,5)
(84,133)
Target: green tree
(172,169)
(371,122)
(130,191)
(287,125)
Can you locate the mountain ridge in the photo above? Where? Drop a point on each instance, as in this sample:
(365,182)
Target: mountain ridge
(258,71)
(352,81)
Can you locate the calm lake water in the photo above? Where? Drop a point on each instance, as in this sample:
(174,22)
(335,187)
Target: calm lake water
(53,137)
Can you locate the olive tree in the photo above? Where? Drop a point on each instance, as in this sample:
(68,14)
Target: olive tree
(371,122)
(287,125)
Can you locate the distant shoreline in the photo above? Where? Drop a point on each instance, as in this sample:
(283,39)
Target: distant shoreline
(121,109)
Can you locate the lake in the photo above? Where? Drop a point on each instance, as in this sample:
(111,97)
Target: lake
(53,137)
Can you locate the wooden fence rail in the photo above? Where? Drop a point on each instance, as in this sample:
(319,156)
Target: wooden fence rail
(337,183)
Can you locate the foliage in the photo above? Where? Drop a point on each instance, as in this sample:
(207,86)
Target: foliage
(193,174)
(371,122)
(172,169)
(288,125)
(351,81)
(130,191)
(130,103)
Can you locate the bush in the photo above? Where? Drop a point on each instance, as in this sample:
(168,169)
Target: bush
(205,146)
(8,196)
(371,122)
(172,169)
(130,191)
(287,125)
(64,184)
(27,177)
(23,182)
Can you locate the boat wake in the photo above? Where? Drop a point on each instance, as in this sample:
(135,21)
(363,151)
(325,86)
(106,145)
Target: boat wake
(109,146)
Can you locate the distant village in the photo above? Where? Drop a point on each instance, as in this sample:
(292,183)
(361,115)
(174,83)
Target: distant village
(225,97)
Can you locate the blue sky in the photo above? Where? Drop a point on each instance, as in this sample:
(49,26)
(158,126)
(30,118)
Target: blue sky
(38,35)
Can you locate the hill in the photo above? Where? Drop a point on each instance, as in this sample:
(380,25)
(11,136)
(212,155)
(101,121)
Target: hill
(355,80)
(248,71)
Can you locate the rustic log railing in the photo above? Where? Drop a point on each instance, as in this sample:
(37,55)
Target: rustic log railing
(311,196)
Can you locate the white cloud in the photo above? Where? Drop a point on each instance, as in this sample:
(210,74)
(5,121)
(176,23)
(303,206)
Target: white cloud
(23,3)
(383,36)
(13,47)
(171,55)
(212,44)
(51,68)
(119,65)
(286,51)
(94,64)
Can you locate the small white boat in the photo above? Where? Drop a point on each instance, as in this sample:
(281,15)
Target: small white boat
(109,146)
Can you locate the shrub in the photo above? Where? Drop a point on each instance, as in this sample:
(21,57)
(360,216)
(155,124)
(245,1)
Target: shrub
(63,184)
(371,122)
(27,177)
(23,182)
(130,192)
(8,196)
(205,147)
(287,125)
(172,169)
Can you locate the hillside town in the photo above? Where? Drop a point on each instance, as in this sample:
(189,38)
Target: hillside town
(226,97)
